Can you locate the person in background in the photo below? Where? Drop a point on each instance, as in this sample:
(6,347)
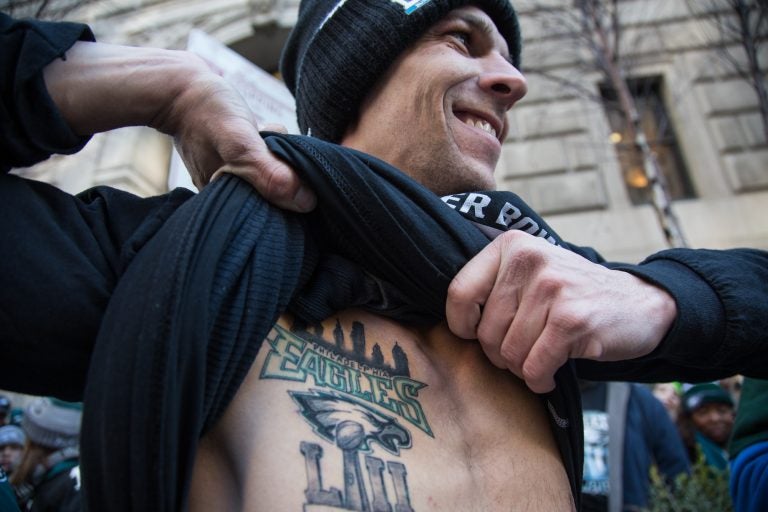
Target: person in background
(626,432)
(706,422)
(5,408)
(48,477)
(748,449)
(669,394)
(732,385)
(7,498)
(12,441)
(14,418)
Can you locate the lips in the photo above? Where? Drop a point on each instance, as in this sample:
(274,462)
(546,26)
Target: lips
(485,122)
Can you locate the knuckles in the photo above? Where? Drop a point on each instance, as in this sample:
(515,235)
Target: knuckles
(277,182)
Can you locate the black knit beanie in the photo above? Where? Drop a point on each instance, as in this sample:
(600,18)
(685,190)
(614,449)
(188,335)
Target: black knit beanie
(340,48)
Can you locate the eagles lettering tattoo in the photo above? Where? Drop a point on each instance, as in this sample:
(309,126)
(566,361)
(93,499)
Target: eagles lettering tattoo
(356,406)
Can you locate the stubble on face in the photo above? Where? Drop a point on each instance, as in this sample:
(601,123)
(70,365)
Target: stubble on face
(432,156)
(408,120)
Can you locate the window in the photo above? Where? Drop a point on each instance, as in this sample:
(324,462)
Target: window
(658,130)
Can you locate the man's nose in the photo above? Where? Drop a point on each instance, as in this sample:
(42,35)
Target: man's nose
(503,80)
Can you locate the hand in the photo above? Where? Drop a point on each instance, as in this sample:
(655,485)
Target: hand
(101,86)
(215,132)
(532,306)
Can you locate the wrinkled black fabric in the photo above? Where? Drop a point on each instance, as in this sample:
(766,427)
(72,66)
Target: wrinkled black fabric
(179,334)
(60,258)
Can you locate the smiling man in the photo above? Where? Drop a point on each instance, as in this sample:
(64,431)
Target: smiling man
(439,111)
(376,414)
(362,412)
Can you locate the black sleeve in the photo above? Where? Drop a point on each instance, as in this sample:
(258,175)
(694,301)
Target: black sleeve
(60,258)
(31,127)
(722,319)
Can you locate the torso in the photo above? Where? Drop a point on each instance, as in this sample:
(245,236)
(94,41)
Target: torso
(365,414)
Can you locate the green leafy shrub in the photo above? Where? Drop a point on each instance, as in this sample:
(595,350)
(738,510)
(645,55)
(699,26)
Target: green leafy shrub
(704,490)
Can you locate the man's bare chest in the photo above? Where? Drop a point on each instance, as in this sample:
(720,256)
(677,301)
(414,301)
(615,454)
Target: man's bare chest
(359,413)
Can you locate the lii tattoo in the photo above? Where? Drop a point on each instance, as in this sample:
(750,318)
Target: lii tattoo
(339,411)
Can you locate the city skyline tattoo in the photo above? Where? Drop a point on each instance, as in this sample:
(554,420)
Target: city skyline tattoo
(349,376)
(306,356)
(359,346)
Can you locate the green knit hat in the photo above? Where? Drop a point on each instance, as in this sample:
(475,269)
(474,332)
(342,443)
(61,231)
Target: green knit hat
(702,394)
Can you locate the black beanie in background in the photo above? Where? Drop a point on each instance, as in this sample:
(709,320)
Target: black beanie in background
(338,49)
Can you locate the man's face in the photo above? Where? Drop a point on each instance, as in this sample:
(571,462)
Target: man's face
(439,113)
(714,421)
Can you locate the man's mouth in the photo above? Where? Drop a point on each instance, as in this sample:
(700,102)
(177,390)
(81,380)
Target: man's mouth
(476,121)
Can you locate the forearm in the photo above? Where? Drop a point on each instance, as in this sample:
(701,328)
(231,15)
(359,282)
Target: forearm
(722,317)
(99,87)
(56,93)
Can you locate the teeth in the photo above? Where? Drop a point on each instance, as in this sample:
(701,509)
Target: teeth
(482,124)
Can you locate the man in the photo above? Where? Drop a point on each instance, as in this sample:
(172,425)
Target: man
(627,431)
(707,422)
(355,410)
(48,477)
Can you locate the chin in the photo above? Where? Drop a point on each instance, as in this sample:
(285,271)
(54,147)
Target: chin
(461,186)
(480,179)
(458,172)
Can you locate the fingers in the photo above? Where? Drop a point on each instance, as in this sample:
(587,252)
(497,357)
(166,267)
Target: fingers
(217,132)
(523,332)
(276,182)
(272,127)
(240,150)
(273,178)
(532,306)
(517,298)
(270,176)
(547,355)
(469,290)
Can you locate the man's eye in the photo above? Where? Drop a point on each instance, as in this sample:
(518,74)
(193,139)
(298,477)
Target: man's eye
(461,37)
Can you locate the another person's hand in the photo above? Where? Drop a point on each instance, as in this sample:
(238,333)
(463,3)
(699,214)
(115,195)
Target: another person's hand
(533,306)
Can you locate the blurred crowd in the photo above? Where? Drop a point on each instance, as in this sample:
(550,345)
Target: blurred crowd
(39,453)
(633,431)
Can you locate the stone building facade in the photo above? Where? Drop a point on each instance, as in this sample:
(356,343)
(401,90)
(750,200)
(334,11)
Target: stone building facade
(559,154)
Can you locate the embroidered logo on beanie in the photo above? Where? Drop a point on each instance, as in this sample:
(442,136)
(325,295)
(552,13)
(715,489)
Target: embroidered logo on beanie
(410,6)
